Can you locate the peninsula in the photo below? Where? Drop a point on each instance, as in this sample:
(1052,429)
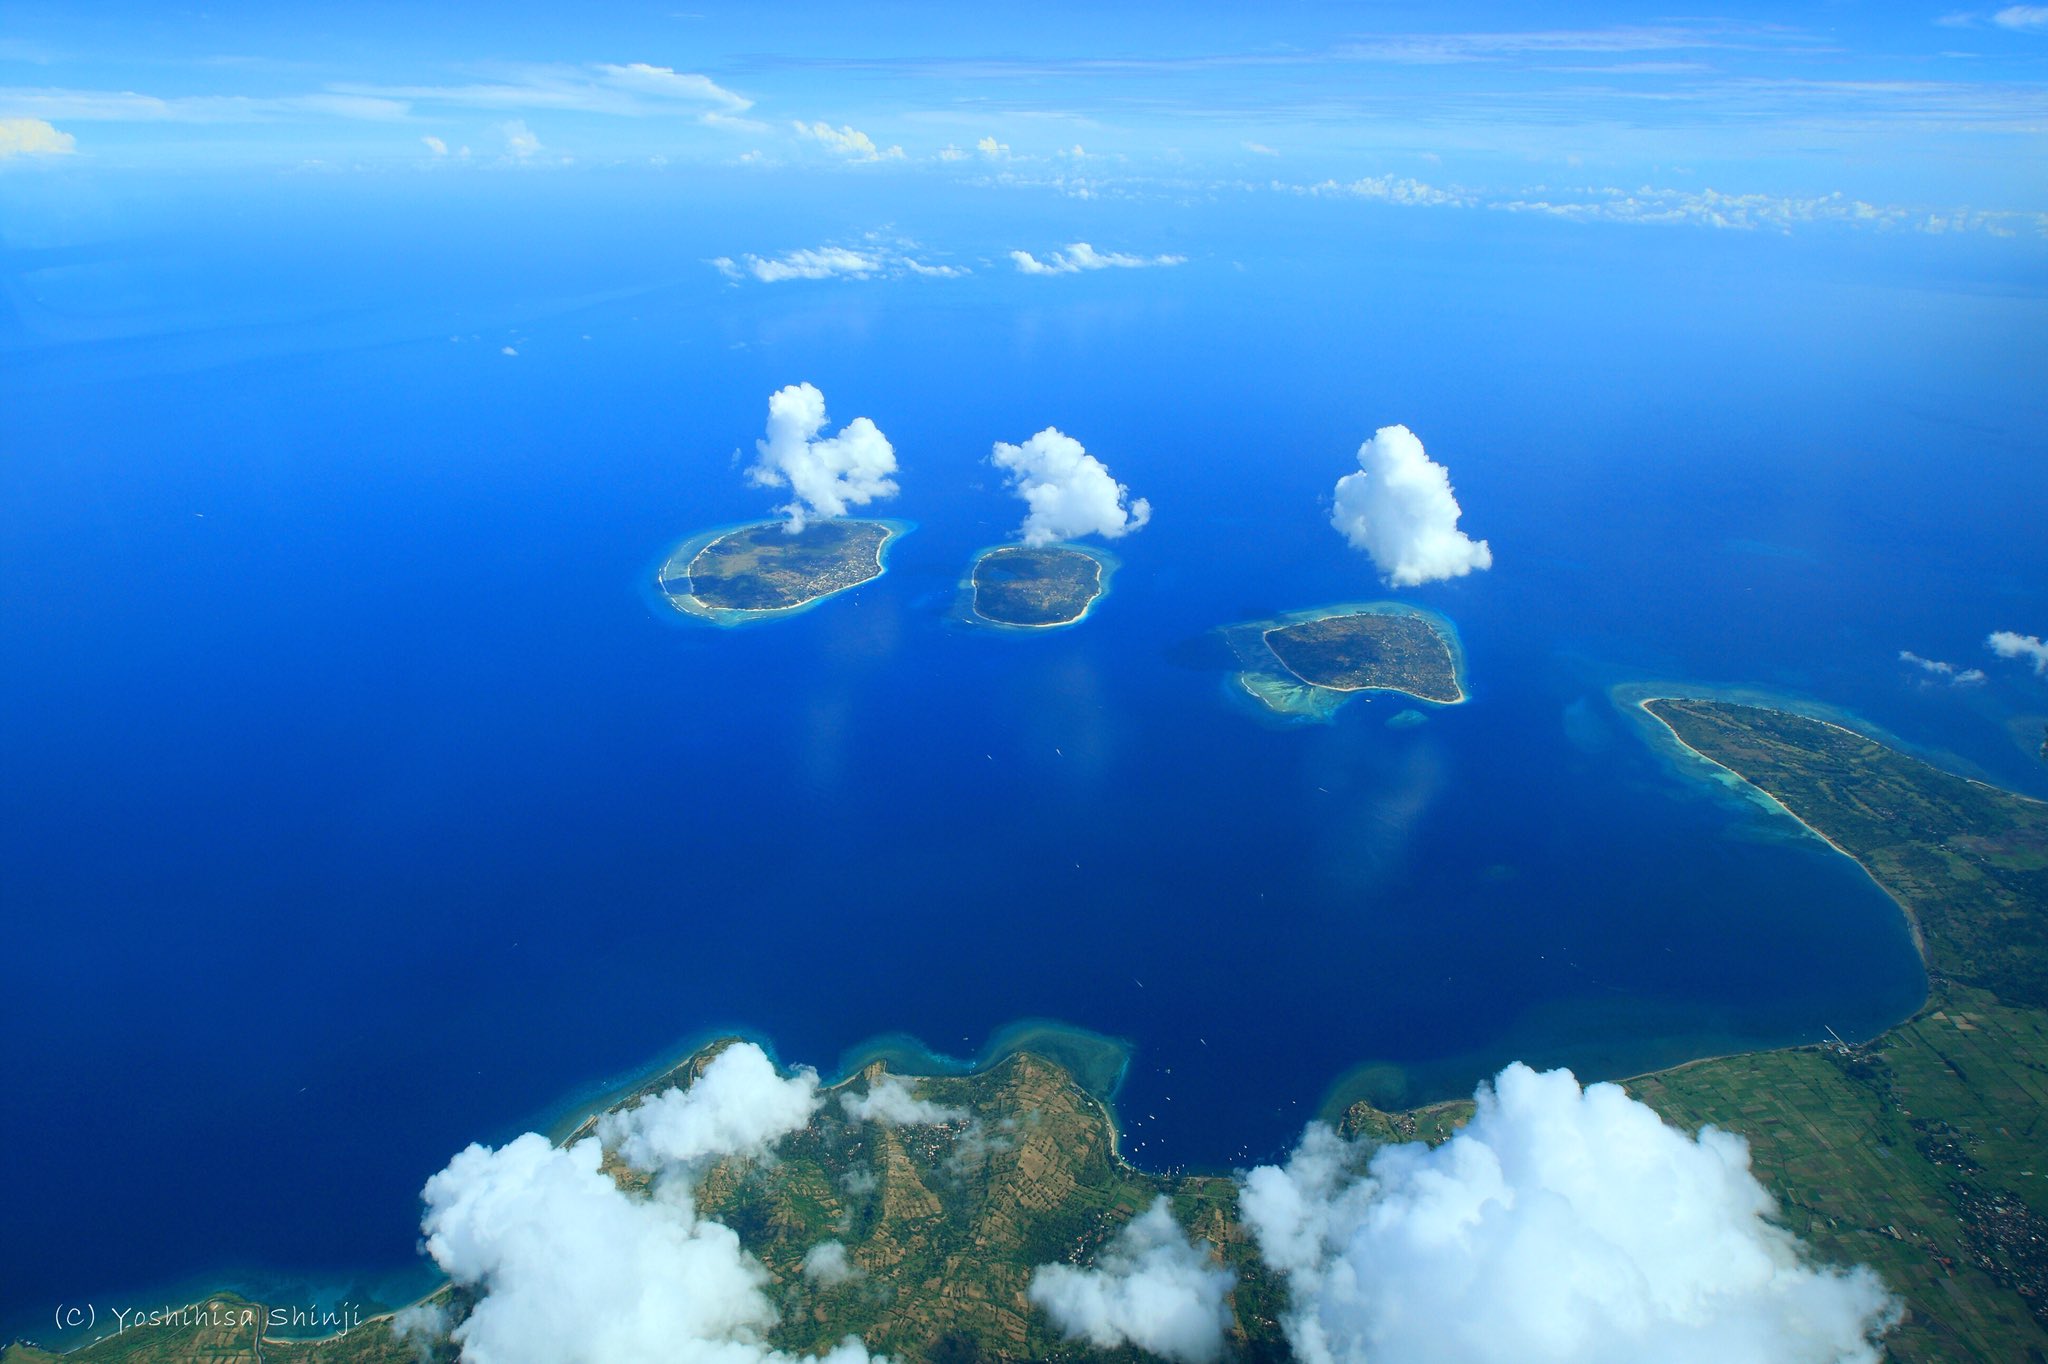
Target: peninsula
(1918,1153)
(1037,588)
(762,570)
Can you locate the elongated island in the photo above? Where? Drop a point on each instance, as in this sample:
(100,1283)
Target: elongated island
(1041,587)
(1307,664)
(739,574)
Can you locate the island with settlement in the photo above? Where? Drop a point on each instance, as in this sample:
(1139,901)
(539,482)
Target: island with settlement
(1037,587)
(1918,1153)
(1307,664)
(736,575)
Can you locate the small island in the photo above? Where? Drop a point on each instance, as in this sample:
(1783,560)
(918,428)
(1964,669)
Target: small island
(753,572)
(1308,664)
(1369,651)
(1037,588)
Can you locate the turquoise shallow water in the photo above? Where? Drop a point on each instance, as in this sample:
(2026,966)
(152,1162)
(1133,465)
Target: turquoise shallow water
(363,802)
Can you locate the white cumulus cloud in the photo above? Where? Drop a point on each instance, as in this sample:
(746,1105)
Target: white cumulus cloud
(1152,1287)
(434,145)
(1069,491)
(739,1105)
(890,1102)
(1560,1225)
(519,139)
(569,1268)
(33,137)
(1399,509)
(992,149)
(1081,256)
(851,143)
(2011,644)
(825,475)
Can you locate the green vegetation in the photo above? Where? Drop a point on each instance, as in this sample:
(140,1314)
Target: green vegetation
(763,569)
(1056,585)
(1370,651)
(224,1329)
(1923,1153)
(1967,862)
(1307,664)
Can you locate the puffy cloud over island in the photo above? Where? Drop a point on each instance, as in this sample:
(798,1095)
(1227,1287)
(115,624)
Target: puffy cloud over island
(825,475)
(1561,1224)
(1399,508)
(890,1102)
(1152,1288)
(569,1268)
(1070,492)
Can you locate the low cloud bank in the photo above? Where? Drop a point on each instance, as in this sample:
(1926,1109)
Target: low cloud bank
(826,476)
(569,1268)
(1560,1225)
(1081,256)
(1069,491)
(2026,648)
(740,1105)
(1399,509)
(890,1102)
(1152,1287)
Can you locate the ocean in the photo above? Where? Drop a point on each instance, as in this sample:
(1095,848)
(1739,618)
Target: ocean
(363,799)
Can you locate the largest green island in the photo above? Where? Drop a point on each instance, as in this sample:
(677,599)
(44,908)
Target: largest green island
(1922,1152)
(735,575)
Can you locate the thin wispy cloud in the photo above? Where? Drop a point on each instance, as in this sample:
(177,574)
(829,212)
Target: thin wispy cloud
(2031,18)
(1938,670)
(1655,205)
(626,90)
(126,106)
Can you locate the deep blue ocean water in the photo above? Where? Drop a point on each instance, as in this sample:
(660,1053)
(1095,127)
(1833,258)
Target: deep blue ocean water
(361,800)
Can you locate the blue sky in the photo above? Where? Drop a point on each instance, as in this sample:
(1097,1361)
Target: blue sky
(1757,115)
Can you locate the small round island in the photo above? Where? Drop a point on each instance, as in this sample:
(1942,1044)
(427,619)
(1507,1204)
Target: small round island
(1024,587)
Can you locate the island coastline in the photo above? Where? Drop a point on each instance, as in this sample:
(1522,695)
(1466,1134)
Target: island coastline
(691,607)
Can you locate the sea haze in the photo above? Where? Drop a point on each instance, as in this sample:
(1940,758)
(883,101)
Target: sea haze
(363,800)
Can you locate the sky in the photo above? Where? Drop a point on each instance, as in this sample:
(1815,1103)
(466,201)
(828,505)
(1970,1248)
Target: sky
(1885,116)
